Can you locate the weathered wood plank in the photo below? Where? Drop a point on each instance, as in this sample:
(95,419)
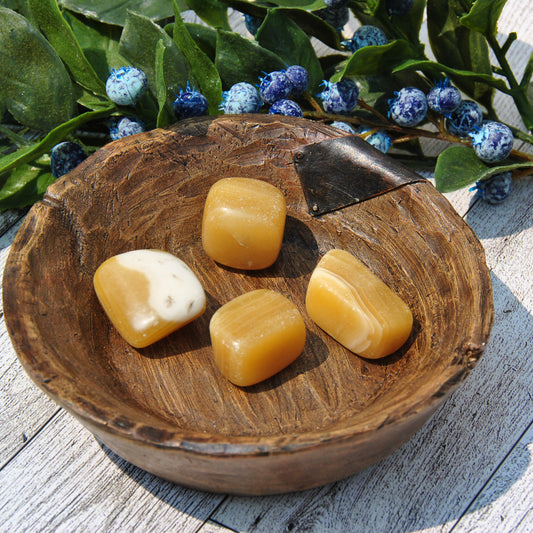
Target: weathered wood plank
(213,527)
(10,218)
(65,481)
(505,503)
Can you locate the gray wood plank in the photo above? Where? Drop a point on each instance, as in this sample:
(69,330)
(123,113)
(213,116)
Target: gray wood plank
(505,504)
(10,218)
(66,481)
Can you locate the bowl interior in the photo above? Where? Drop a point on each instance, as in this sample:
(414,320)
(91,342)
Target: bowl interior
(148,191)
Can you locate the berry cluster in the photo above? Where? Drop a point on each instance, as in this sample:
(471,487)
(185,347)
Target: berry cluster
(281,92)
(277,88)
(492,141)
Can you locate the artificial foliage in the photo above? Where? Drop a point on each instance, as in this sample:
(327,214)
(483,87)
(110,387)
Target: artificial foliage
(57,56)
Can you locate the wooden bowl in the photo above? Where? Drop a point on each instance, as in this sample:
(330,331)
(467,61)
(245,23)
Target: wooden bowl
(166,408)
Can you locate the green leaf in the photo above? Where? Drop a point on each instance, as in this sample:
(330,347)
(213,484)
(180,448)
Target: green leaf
(138,45)
(283,36)
(410,24)
(164,116)
(202,68)
(303,4)
(26,185)
(62,38)
(371,60)
(240,59)
(459,166)
(435,68)
(20,6)
(310,23)
(211,12)
(528,72)
(205,38)
(99,42)
(36,87)
(459,48)
(364,9)
(483,16)
(117,12)
(58,134)
(314,26)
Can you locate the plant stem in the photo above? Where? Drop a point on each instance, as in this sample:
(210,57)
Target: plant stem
(518,93)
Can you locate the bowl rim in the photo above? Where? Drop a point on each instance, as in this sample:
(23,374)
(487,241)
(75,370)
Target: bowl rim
(160,435)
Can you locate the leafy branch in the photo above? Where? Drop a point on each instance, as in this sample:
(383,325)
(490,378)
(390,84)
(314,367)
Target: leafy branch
(57,55)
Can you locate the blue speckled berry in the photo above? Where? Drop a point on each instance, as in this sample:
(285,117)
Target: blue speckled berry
(275,86)
(126,85)
(493,141)
(344,126)
(125,127)
(378,139)
(242,97)
(340,97)
(366,35)
(409,107)
(288,108)
(335,16)
(466,118)
(299,77)
(399,7)
(190,103)
(495,189)
(66,156)
(252,23)
(444,98)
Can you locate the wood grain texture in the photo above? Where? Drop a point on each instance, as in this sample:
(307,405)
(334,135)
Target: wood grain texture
(505,502)
(49,504)
(165,407)
(24,409)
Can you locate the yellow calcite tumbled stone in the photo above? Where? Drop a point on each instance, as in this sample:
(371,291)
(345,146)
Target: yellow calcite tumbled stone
(148,294)
(350,303)
(243,223)
(256,335)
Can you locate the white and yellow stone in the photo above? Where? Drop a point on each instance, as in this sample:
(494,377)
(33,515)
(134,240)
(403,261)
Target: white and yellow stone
(148,294)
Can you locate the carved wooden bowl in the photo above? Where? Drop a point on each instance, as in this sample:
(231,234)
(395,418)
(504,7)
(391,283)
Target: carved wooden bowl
(166,408)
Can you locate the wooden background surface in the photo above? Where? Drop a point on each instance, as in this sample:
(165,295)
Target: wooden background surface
(468,469)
